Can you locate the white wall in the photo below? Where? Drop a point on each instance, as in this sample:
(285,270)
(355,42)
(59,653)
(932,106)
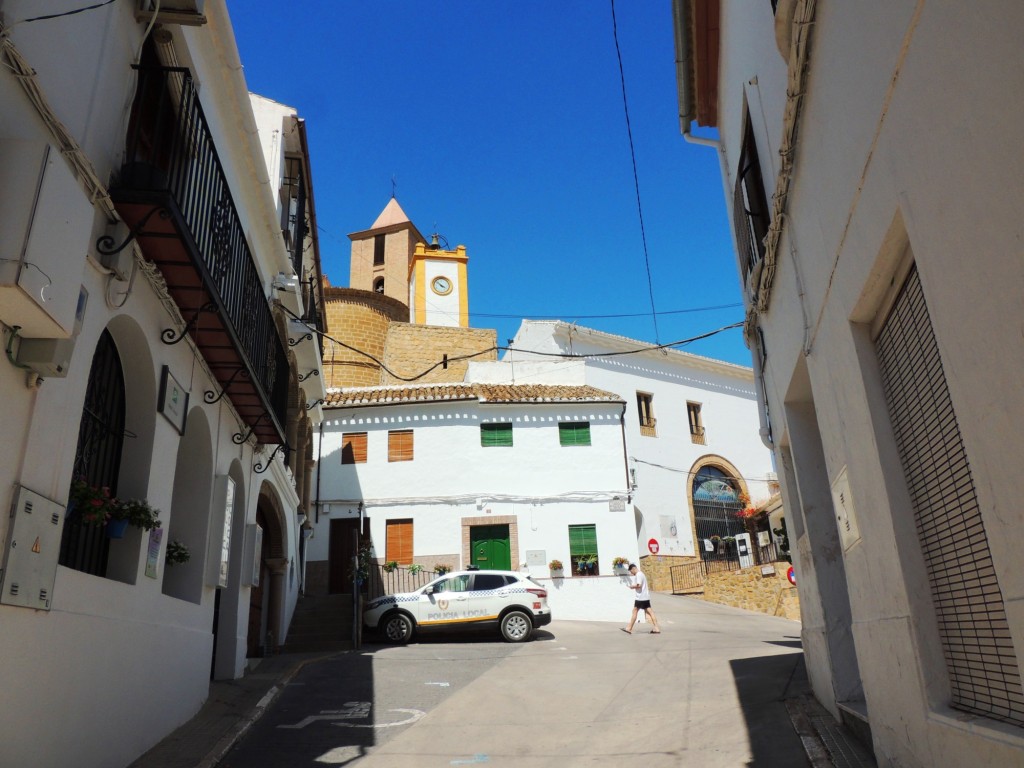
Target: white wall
(729,412)
(118,644)
(544,486)
(901,142)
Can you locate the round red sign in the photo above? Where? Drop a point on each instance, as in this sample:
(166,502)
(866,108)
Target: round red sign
(791,575)
(653,546)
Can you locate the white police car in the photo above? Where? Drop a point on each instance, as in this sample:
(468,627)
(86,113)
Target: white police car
(510,601)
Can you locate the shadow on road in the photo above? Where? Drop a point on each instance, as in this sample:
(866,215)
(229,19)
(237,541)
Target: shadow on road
(763,685)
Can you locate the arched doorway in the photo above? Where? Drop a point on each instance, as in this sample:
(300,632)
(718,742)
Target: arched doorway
(266,598)
(717,496)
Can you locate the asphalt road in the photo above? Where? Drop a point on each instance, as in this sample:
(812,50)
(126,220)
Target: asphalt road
(708,691)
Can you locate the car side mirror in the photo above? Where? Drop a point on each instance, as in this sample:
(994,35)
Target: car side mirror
(429,590)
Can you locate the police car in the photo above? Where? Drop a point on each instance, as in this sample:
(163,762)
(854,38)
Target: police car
(511,602)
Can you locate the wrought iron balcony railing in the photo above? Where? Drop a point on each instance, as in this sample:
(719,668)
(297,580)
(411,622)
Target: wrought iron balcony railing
(174,194)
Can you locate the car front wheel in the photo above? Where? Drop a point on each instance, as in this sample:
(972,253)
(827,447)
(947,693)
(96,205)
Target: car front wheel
(516,627)
(397,628)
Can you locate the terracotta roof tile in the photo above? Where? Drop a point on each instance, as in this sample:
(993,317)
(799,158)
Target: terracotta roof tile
(485,393)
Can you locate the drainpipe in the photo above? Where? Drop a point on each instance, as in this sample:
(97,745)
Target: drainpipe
(625,452)
(319,462)
(759,392)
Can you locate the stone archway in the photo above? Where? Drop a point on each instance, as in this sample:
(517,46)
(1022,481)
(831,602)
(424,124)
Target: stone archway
(266,599)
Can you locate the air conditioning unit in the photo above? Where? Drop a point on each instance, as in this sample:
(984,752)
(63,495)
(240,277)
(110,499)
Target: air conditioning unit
(184,12)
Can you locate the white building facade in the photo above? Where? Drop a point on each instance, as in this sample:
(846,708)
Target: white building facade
(871,161)
(485,473)
(147,353)
(691,425)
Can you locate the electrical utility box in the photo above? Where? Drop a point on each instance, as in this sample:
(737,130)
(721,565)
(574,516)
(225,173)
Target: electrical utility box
(33,548)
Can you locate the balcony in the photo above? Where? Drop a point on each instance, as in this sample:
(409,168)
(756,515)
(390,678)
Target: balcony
(174,196)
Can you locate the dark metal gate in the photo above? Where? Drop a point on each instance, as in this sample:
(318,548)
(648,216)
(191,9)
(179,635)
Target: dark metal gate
(98,457)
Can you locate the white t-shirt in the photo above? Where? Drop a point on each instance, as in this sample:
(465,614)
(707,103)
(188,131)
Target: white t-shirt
(643,593)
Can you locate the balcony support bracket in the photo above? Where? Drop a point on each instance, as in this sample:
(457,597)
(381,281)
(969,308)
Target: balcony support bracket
(238,438)
(170,336)
(212,397)
(260,467)
(105,244)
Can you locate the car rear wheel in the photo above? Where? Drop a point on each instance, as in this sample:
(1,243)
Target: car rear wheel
(397,628)
(516,627)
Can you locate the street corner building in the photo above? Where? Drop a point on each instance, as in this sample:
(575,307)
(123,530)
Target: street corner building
(870,158)
(161,307)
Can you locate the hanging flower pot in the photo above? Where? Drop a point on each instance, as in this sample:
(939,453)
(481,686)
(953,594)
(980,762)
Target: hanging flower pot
(116,528)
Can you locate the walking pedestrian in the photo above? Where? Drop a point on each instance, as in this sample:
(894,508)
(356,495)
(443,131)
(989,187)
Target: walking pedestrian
(638,583)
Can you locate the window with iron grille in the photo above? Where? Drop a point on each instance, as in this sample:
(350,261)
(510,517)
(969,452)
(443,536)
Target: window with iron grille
(400,445)
(496,435)
(574,433)
(583,550)
(353,448)
(98,457)
(750,208)
(983,670)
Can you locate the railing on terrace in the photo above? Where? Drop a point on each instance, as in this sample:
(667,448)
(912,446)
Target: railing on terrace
(399,579)
(170,150)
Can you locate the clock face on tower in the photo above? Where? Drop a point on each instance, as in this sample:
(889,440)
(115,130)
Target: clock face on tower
(441,286)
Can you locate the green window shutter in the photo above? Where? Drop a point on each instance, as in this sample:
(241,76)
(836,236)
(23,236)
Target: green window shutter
(574,432)
(496,435)
(582,540)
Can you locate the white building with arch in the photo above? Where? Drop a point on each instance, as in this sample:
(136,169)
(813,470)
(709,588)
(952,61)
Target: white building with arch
(688,419)
(150,277)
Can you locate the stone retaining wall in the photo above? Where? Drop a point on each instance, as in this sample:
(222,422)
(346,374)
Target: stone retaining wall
(752,591)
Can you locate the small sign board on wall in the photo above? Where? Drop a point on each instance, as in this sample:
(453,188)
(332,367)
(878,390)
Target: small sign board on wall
(536,557)
(156,536)
(173,400)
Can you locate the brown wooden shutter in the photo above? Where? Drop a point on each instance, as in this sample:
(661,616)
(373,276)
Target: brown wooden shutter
(398,544)
(353,448)
(400,445)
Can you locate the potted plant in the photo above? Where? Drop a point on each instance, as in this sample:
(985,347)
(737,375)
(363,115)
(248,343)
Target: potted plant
(587,564)
(390,566)
(415,568)
(176,553)
(93,504)
(442,569)
(135,512)
(716,540)
(620,563)
(555,566)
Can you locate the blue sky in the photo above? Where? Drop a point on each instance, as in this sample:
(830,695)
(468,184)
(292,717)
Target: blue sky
(503,125)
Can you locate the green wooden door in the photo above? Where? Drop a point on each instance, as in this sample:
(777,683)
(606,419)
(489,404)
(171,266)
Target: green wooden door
(489,547)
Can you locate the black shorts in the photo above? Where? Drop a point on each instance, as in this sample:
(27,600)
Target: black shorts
(642,604)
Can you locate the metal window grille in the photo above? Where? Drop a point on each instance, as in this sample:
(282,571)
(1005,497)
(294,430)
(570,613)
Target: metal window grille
(98,457)
(983,670)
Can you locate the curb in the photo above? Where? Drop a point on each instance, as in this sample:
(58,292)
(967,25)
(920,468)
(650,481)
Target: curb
(224,745)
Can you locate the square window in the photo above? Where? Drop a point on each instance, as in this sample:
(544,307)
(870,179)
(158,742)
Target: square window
(583,550)
(398,542)
(400,445)
(353,448)
(496,435)
(574,433)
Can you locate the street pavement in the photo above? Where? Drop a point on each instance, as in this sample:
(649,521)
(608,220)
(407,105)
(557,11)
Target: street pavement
(711,690)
